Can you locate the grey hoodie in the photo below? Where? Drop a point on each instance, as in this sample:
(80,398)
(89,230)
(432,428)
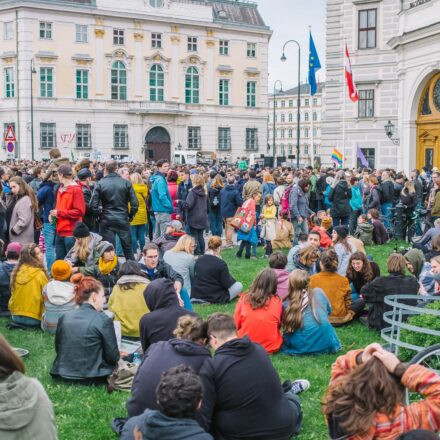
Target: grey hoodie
(25,410)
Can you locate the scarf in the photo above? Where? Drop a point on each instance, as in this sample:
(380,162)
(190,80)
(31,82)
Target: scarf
(305,301)
(105,267)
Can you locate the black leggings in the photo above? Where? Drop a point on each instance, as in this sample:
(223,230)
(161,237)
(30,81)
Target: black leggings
(244,245)
(200,241)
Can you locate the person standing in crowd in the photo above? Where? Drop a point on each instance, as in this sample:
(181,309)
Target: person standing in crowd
(139,222)
(27,282)
(372,196)
(21,211)
(380,234)
(5,175)
(182,192)
(196,206)
(268,219)
(69,210)
(215,215)
(6,267)
(340,196)
(355,204)
(418,188)
(230,201)
(279,191)
(46,198)
(299,208)
(85,341)
(114,194)
(249,238)
(55,162)
(251,186)
(173,188)
(37,179)
(84,176)
(386,198)
(26,411)
(268,186)
(160,197)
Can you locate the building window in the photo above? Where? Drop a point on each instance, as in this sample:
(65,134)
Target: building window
(251,50)
(223,92)
(192,86)
(315,149)
(290,117)
(315,116)
(192,44)
(283,103)
(118,37)
(156,3)
(276,104)
(46,82)
(283,133)
(223,47)
(156,40)
(120,136)
(8,30)
(366,103)
(82,84)
(157,83)
(370,155)
(224,138)
(251,88)
(45,30)
(283,118)
(315,132)
(315,101)
(251,138)
(290,149)
(367,29)
(306,132)
(290,133)
(306,102)
(306,116)
(119,81)
(276,117)
(9,83)
(306,149)
(83,136)
(48,135)
(81,33)
(290,102)
(194,138)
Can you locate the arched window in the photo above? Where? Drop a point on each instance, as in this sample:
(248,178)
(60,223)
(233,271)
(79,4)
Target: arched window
(156,83)
(119,81)
(192,86)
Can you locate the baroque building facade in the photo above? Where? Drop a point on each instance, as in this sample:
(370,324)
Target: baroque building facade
(395,56)
(136,79)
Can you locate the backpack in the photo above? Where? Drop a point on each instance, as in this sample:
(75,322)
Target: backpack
(284,202)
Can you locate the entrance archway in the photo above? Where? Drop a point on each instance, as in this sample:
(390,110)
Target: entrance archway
(428,125)
(157,144)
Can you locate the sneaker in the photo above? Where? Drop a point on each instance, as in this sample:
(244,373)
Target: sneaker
(300,385)
(253,257)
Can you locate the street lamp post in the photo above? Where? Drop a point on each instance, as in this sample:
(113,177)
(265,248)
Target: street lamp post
(33,71)
(298,114)
(274,117)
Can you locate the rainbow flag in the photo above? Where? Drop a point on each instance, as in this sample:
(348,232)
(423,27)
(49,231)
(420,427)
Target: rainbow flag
(337,156)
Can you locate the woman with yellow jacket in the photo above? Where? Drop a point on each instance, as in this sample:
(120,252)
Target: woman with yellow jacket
(138,224)
(27,282)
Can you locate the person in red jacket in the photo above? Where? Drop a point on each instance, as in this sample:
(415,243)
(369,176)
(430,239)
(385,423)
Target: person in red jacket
(258,312)
(69,209)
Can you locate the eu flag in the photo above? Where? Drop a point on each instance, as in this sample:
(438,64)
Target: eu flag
(314,66)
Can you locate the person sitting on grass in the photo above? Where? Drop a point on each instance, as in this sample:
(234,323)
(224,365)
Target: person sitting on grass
(380,234)
(258,312)
(213,282)
(27,281)
(365,396)
(424,243)
(322,225)
(429,277)
(25,409)
(337,289)
(278,262)
(313,238)
(127,298)
(305,322)
(415,260)
(419,434)
(164,311)
(360,272)
(364,230)
(85,341)
(6,267)
(284,233)
(306,259)
(188,347)
(342,247)
(395,283)
(58,296)
(178,396)
(169,239)
(244,398)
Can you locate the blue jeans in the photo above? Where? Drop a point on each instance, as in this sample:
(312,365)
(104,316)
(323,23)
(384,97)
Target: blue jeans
(385,209)
(26,321)
(216,222)
(186,299)
(300,227)
(138,233)
(63,246)
(340,221)
(49,239)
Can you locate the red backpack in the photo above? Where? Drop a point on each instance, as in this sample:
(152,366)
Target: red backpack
(284,203)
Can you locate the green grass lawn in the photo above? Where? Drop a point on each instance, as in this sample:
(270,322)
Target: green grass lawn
(85,412)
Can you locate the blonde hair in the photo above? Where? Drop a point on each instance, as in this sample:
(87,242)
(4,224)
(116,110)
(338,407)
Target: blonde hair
(396,263)
(184,244)
(309,255)
(136,178)
(81,248)
(190,327)
(198,180)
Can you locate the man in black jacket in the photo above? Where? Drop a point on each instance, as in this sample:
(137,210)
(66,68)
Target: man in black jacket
(182,192)
(230,201)
(84,179)
(115,193)
(244,398)
(386,198)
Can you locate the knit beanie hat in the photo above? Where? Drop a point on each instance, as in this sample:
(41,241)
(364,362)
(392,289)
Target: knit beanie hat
(61,270)
(81,230)
(342,231)
(326,222)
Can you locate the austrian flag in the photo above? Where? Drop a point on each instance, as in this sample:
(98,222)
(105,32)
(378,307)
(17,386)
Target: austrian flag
(352,92)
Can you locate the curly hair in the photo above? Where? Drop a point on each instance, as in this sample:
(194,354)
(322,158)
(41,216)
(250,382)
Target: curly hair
(366,271)
(191,327)
(27,258)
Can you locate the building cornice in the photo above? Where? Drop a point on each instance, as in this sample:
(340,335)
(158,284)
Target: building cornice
(415,35)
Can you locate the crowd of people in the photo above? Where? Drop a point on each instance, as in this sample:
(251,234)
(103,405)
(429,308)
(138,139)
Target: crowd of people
(93,253)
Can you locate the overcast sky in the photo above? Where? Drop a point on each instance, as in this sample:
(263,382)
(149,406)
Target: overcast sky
(290,19)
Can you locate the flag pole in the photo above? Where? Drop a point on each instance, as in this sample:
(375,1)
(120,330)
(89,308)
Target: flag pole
(344,97)
(312,154)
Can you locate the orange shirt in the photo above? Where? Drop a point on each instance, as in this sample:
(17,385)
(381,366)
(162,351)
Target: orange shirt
(260,325)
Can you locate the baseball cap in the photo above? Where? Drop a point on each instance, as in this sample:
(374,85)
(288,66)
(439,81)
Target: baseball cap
(84,174)
(65,170)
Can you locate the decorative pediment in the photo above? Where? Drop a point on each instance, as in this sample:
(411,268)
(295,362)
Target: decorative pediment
(46,56)
(8,57)
(82,59)
(428,136)
(119,54)
(252,72)
(193,60)
(225,70)
(157,57)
